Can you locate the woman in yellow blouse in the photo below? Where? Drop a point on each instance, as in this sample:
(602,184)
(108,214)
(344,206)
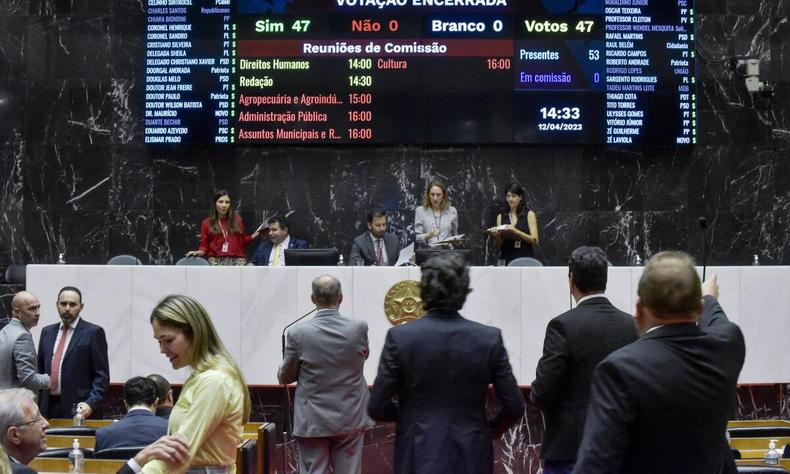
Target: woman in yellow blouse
(214,403)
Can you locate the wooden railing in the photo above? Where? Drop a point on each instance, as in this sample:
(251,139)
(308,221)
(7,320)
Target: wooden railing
(263,433)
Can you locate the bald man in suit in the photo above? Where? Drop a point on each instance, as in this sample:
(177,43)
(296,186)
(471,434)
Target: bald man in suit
(661,404)
(18,363)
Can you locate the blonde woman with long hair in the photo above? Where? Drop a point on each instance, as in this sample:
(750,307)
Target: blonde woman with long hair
(214,403)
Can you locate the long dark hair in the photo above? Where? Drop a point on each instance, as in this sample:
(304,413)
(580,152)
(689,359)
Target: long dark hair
(517,189)
(213,215)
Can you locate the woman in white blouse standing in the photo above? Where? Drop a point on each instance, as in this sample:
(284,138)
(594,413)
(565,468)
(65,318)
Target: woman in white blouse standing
(436,220)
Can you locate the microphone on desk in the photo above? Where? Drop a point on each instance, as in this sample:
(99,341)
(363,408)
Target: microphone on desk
(291,324)
(703,224)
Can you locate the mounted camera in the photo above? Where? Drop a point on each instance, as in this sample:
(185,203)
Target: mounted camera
(750,69)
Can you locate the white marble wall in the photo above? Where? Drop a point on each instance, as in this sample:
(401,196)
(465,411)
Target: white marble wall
(251,305)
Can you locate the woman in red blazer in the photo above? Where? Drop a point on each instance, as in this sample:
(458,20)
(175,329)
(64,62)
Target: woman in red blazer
(222,237)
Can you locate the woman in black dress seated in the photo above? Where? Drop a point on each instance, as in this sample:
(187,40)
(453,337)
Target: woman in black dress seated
(517,228)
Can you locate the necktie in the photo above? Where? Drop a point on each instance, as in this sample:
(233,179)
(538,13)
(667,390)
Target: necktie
(378,252)
(276,260)
(55,372)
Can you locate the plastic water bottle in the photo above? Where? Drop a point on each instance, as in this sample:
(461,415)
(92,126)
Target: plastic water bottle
(772,456)
(76,459)
(340,262)
(61,258)
(755,260)
(79,419)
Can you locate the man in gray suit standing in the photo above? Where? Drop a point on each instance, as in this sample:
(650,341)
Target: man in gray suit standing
(18,365)
(326,355)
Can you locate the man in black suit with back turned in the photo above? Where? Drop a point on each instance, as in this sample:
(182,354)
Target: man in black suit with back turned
(661,404)
(140,426)
(433,381)
(576,341)
(375,246)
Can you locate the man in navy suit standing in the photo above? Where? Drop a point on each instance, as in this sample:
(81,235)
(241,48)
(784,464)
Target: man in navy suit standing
(271,251)
(140,427)
(661,404)
(433,381)
(74,354)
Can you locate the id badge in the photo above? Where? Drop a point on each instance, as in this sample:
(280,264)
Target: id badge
(225,247)
(517,244)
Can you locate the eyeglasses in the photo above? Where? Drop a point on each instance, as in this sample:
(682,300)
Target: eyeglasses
(37,419)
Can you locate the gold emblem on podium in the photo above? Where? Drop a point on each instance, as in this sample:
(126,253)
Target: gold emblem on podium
(403,302)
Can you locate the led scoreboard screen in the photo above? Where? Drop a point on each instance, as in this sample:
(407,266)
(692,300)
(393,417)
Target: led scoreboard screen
(610,72)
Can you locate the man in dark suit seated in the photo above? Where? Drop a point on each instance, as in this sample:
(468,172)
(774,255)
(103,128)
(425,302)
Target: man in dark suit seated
(661,404)
(433,381)
(576,341)
(21,427)
(23,438)
(164,395)
(140,427)
(375,246)
(271,251)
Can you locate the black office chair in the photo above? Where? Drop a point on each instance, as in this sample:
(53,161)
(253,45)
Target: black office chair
(267,439)
(5,309)
(71,431)
(16,274)
(525,262)
(63,453)
(761,469)
(124,260)
(759,432)
(192,261)
(118,453)
(248,461)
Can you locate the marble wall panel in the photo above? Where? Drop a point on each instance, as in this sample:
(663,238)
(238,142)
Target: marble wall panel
(71,122)
(12,44)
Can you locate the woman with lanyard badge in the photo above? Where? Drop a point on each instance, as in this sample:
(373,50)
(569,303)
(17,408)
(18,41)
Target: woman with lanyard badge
(436,220)
(517,227)
(222,237)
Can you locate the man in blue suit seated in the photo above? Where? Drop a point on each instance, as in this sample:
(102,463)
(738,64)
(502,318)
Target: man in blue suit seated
(271,251)
(140,427)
